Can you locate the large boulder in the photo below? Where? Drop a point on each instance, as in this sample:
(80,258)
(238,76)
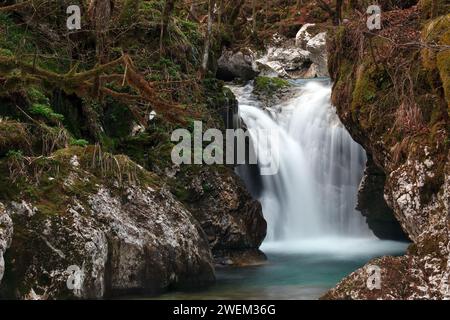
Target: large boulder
(312,38)
(302,57)
(306,33)
(240,64)
(98,225)
(285,60)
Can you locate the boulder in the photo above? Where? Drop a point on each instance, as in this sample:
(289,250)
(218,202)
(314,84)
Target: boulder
(304,57)
(283,61)
(109,231)
(318,54)
(232,65)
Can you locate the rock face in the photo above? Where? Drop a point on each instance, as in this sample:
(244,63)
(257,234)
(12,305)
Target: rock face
(119,235)
(6,231)
(371,203)
(232,220)
(283,61)
(238,64)
(407,137)
(304,57)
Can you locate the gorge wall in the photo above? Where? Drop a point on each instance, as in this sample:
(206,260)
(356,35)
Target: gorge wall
(391,90)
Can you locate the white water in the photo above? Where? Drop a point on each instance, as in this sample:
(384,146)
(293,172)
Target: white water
(315,237)
(313,195)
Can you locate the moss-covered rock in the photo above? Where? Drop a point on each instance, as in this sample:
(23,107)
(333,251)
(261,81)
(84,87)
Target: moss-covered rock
(106,216)
(269,85)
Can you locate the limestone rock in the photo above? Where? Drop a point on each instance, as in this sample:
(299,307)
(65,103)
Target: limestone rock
(102,237)
(284,60)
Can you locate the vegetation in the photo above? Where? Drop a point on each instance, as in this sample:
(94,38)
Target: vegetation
(269,85)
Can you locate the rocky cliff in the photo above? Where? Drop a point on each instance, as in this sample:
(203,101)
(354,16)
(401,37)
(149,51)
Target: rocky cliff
(391,90)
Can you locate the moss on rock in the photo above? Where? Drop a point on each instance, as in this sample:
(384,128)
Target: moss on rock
(269,85)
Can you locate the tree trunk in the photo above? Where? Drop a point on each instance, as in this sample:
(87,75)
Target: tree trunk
(235,12)
(219,14)
(211,4)
(168,8)
(338,14)
(100,12)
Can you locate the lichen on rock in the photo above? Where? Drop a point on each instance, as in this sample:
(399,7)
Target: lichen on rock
(126,235)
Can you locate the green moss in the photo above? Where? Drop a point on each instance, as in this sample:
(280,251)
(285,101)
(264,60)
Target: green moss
(46,112)
(37,96)
(365,88)
(268,85)
(79,142)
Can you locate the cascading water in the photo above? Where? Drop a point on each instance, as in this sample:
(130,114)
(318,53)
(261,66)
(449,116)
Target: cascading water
(315,236)
(313,195)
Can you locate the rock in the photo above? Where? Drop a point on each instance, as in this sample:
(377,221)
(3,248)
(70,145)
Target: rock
(416,167)
(304,35)
(232,65)
(103,237)
(318,54)
(6,232)
(283,61)
(304,57)
(244,258)
(371,204)
(231,219)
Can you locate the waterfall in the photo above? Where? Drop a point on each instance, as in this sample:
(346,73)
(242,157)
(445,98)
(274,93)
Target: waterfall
(313,194)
